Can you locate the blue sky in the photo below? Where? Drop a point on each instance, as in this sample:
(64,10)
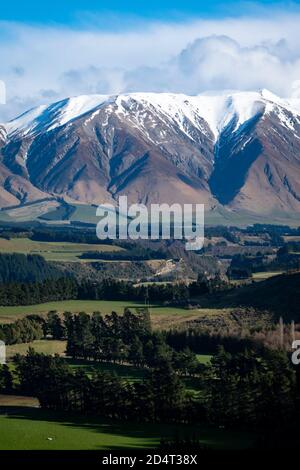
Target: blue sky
(53,49)
(74,12)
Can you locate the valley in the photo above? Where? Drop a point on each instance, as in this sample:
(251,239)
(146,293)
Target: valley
(123,313)
(140,316)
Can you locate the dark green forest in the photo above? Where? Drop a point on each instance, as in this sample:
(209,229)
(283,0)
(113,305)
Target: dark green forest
(25,268)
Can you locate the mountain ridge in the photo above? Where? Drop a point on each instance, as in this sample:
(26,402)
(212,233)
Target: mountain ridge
(214,109)
(237,150)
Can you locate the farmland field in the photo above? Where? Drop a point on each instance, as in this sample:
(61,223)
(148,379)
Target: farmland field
(40,346)
(260,276)
(291,238)
(29,211)
(25,428)
(90,306)
(53,251)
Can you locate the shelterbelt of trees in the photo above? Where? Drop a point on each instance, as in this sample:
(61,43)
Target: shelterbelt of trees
(108,337)
(124,339)
(242,390)
(68,288)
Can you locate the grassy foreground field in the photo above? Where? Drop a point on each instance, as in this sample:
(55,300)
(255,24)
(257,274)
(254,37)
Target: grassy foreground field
(25,428)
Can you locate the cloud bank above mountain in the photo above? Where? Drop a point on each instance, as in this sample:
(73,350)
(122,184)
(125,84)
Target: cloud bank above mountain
(41,64)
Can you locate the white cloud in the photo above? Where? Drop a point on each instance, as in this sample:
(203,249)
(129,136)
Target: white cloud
(43,64)
(219,62)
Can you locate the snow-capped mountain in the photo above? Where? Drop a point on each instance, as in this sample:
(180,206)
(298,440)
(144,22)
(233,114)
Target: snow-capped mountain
(240,150)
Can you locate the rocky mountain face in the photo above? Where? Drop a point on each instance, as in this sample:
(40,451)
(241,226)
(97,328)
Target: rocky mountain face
(240,151)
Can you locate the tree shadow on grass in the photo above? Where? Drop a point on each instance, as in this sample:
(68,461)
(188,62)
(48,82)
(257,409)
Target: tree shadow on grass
(143,435)
(147,436)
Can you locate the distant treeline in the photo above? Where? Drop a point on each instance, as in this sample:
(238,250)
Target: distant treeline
(88,235)
(258,229)
(53,234)
(38,292)
(107,289)
(69,235)
(287,258)
(136,253)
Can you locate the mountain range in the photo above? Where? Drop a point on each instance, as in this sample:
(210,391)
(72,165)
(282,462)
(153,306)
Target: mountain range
(236,152)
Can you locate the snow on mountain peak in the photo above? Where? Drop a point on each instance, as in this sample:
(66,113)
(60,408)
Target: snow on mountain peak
(217,110)
(54,115)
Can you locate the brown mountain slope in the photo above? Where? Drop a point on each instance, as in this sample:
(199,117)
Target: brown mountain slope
(238,152)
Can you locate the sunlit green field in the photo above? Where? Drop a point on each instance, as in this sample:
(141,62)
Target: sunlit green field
(261,276)
(88,306)
(40,346)
(23,428)
(204,358)
(52,251)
